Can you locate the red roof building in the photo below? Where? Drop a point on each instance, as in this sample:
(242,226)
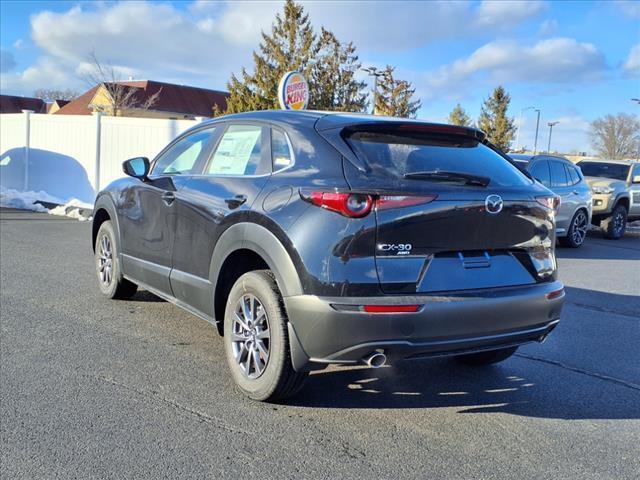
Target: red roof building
(173,101)
(15,104)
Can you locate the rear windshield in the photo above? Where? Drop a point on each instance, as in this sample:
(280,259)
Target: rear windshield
(606,170)
(403,153)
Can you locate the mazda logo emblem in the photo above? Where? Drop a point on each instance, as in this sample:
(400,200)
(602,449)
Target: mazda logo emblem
(493,204)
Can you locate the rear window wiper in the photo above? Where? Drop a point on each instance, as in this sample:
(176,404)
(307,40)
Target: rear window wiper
(467,178)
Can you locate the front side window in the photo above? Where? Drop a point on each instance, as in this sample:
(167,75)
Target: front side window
(405,152)
(540,171)
(183,155)
(239,152)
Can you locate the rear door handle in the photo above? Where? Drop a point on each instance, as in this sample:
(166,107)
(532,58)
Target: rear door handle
(236,201)
(168,197)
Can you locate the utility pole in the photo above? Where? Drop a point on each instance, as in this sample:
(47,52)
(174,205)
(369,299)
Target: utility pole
(373,71)
(535,143)
(551,125)
(520,123)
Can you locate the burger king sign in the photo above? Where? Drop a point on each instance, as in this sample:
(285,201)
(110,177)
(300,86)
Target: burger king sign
(293,91)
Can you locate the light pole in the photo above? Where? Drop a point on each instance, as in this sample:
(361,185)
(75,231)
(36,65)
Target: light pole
(520,123)
(551,125)
(637,100)
(535,143)
(373,71)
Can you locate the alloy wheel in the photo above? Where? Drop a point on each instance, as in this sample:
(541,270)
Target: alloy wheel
(579,228)
(250,336)
(618,223)
(105,260)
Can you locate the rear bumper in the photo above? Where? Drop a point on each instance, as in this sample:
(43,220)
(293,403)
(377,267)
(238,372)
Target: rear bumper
(322,330)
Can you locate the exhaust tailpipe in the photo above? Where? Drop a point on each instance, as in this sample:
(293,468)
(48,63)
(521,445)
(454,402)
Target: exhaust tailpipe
(376,360)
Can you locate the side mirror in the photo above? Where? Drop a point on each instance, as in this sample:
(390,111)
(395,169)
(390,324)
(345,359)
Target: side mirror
(137,167)
(635,179)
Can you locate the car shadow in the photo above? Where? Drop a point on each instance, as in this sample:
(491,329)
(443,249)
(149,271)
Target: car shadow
(586,369)
(596,247)
(442,383)
(145,296)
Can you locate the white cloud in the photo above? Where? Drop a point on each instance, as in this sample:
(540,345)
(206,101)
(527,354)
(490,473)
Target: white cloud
(632,64)
(148,40)
(492,13)
(7,61)
(45,73)
(570,134)
(405,25)
(18,44)
(556,60)
(548,28)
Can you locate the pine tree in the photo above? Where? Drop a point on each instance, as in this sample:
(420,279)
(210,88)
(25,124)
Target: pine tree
(458,116)
(290,46)
(394,97)
(328,66)
(494,120)
(332,84)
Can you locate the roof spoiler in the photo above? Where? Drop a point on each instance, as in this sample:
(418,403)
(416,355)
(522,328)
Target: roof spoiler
(336,135)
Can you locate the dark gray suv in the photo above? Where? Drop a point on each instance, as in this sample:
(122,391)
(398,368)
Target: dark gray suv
(311,238)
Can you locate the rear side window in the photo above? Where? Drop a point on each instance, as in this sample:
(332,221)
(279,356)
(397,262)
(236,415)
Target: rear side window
(239,152)
(558,175)
(400,153)
(540,171)
(280,152)
(572,174)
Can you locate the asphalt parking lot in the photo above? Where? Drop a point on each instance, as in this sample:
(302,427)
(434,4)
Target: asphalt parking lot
(92,388)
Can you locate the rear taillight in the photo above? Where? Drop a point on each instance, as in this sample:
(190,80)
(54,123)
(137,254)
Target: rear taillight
(552,203)
(358,205)
(354,205)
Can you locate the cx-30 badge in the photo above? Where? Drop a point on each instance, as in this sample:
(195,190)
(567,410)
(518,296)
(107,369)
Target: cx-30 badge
(493,204)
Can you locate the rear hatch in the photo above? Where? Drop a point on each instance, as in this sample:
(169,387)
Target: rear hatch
(451,212)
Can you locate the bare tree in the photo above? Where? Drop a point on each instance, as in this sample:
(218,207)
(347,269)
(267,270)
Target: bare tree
(51,95)
(616,136)
(122,97)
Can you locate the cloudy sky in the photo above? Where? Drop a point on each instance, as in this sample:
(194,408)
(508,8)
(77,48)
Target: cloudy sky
(575,61)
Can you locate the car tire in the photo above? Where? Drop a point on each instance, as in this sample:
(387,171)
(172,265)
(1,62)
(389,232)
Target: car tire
(110,279)
(577,232)
(256,339)
(614,226)
(486,358)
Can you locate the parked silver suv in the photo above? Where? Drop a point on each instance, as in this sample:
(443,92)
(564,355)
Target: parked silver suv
(564,179)
(616,193)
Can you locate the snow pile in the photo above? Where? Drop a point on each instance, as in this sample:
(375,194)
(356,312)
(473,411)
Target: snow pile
(74,208)
(25,200)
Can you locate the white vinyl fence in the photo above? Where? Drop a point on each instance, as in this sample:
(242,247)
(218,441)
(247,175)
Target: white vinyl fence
(74,156)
